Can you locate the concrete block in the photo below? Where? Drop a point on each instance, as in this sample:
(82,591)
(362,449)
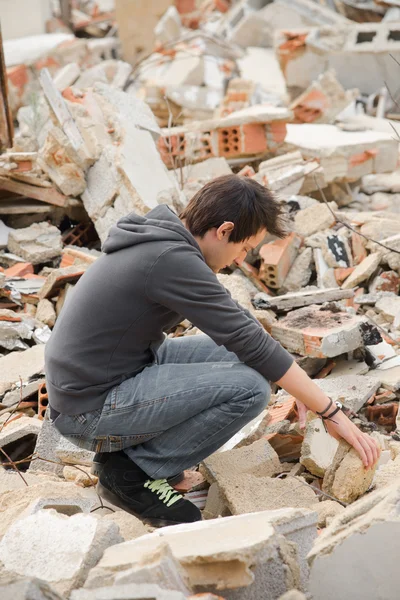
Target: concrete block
(314,218)
(58,549)
(352,390)
(64,506)
(130,527)
(347,479)
(311,331)
(66,76)
(46,444)
(28,588)
(215,504)
(36,244)
(366,537)
(277,259)
(59,161)
(58,278)
(258,459)
(68,453)
(46,312)
(293,595)
(389,306)
(344,155)
(289,301)
(248,494)
(299,273)
(326,511)
(13,503)
(144,591)
(158,566)
(18,438)
(241,557)
(318,448)
(363,271)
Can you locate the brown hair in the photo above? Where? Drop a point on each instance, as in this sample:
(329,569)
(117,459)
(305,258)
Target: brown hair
(241,200)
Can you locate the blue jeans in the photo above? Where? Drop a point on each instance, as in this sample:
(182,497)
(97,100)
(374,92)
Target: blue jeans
(177,411)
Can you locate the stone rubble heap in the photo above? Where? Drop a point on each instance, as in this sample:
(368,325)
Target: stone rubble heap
(291,94)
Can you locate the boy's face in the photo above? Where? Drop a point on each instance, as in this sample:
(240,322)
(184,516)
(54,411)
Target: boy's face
(219,252)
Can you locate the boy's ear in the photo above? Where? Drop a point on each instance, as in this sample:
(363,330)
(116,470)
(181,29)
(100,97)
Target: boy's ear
(225,230)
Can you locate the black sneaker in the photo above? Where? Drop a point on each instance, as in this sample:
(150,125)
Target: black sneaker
(100,458)
(154,501)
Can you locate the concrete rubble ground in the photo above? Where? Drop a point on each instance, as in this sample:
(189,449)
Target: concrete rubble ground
(113,106)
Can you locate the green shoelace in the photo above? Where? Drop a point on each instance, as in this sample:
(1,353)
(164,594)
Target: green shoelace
(162,488)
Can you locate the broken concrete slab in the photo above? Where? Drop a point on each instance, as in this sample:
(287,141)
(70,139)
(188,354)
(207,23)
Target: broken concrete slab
(159,566)
(66,547)
(327,510)
(18,438)
(363,271)
(13,503)
(314,218)
(28,588)
(347,479)
(130,527)
(215,504)
(299,274)
(46,444)
(39,243)
(314,331)
(68,453)
(258,459)
(144,591)
(318,448)
(46,313)
(236,555)
(365,535)
(351,390)
(299,299)
(22,365)
(58,278)
(247,493)
(389,306)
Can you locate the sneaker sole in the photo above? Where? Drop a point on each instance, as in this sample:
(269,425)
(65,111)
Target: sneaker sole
(112,498)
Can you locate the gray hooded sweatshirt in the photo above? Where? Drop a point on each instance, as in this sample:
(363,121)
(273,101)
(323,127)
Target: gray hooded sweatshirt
(152,275)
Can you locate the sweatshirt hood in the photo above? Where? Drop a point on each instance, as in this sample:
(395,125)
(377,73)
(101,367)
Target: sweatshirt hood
(160,224)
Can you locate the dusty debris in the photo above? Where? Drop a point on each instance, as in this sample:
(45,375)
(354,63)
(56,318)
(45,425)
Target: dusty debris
(121,106)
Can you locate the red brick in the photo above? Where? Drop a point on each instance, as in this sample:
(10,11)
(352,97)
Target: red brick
(19,77)
(282,411)
(358,248)
(247,171)
(383,414)
(278,257)
(43,400)
(286,445)
(185,6)
(19,270)
(342,273)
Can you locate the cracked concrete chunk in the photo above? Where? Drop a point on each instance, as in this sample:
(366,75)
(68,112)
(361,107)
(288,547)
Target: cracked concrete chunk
(65,548)
(347,479)
(318,447)
(247,493)
(130,527)
(37,243)
(28,588)
(326,511)
(366,536)
(158,566)
(258,459)
(241,557)
(146,591)
(363,271)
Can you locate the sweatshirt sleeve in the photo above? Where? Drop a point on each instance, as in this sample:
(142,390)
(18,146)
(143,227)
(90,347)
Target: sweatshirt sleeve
(181,281)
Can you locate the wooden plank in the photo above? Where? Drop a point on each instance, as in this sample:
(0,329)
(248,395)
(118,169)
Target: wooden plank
(6,122)
(299,299)
(50,196)
(23,206)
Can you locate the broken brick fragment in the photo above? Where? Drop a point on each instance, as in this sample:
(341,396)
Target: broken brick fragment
(383,414)
(278,256)
(19,269)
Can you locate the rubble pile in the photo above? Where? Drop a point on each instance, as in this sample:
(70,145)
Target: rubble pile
(121,107)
